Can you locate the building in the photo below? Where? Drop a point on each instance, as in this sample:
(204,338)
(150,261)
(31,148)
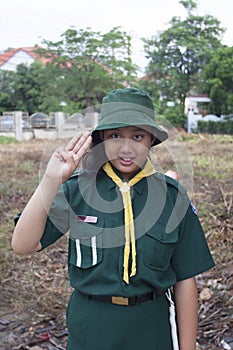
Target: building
(196,109)
(10,59)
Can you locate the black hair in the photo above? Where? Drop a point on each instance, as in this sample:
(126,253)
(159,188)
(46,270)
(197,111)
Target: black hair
(95,158)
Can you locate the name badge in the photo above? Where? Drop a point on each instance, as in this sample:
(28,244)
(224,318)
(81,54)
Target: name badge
(87,218)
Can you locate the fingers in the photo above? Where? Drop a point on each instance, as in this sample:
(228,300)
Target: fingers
(76,148)
(81,148)
(77,141)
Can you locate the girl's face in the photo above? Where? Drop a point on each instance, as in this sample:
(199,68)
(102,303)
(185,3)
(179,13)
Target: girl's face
(127,148)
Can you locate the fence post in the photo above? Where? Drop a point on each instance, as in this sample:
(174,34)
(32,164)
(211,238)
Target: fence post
(91,119)
(95,119)
(18,116)
(60,120)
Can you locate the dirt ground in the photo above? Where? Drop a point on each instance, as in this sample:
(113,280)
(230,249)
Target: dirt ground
(35,289)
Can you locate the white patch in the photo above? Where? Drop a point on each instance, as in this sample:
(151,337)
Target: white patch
(78,252)
(94,250)
(87,218)
(193,208)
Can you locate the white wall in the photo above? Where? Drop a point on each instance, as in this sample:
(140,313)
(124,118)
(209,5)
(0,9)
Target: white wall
(20,57)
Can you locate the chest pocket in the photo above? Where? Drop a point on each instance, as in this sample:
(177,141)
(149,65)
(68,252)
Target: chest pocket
(85,245)
(158,247)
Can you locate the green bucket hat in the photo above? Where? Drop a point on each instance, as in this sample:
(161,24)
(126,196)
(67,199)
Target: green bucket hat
(126,107)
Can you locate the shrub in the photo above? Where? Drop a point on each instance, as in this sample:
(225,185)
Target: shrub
(211,127)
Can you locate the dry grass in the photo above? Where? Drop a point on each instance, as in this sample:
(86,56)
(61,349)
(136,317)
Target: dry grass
(36,287)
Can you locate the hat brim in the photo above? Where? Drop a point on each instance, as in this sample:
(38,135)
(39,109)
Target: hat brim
(123,118)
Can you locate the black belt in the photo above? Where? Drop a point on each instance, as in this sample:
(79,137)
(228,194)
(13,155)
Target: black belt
(130,301)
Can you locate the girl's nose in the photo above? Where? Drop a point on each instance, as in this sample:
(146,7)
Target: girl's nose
(126,145)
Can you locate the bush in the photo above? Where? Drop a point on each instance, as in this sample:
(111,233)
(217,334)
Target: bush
(175,116)
(211,127)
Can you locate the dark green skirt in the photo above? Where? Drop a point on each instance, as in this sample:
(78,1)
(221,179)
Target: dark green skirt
(99,325)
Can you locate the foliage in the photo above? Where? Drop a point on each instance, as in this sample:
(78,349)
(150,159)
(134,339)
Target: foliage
(217,76)
(24,89)
(81,68)
(175,116)
(211,127)
(186,58)
(87,64)
(6,90)
(178,54)
(29,82)
(147,83)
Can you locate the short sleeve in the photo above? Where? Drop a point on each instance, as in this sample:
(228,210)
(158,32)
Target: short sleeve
(58,219)
(192,255)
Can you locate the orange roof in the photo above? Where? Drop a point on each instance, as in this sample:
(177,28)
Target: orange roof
(5,56)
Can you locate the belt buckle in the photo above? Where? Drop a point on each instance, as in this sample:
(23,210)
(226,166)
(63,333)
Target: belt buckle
(120,301)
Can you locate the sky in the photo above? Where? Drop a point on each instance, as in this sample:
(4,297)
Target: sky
(25,23)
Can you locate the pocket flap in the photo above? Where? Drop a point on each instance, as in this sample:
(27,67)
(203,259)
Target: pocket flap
(84,230)
(159,233)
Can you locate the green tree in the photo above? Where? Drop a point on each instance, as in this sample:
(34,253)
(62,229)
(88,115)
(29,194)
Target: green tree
(6,91)
(27,87)
(117,57)
(177,55)
(217,77)
(89,63)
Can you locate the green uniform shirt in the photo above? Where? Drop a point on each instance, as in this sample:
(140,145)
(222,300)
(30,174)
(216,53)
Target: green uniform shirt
(170,242)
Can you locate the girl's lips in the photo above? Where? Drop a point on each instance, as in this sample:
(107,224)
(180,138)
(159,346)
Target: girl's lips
(126,161)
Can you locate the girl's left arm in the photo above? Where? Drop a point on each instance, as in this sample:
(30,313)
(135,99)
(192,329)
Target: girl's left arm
(186,298)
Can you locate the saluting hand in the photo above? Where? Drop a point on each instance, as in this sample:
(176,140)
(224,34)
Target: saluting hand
(65,161)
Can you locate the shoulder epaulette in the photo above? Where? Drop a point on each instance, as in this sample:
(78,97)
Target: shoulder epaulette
(170,181)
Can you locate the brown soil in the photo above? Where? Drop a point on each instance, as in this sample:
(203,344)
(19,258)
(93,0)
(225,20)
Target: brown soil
(35,289)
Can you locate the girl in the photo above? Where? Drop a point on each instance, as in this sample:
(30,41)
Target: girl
(133,233)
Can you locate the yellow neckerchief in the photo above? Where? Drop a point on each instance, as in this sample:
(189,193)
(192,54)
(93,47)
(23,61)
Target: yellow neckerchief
(124,188)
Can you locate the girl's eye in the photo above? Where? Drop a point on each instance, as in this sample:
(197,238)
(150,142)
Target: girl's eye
(138,137)
(115,136)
